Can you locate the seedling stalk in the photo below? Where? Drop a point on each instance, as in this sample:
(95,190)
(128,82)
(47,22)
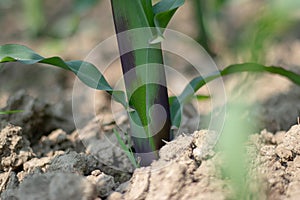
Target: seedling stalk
(144,78)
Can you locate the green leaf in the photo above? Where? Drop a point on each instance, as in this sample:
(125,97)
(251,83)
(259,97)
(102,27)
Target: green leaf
(167,5)
(176,112)
(164,11)
(126,149)
(253,67)
(85,71)
(147,6)
(10,112)
(202,97)
(198,82)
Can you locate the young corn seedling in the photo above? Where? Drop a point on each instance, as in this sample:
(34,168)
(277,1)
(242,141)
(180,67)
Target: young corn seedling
(143,71)
(151,112)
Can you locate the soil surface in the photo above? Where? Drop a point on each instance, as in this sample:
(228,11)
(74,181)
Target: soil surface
(69,166)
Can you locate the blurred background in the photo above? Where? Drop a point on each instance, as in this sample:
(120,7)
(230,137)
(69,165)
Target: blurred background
(231,31)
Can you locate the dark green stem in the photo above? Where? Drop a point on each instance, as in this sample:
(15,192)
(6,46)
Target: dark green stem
(144,77)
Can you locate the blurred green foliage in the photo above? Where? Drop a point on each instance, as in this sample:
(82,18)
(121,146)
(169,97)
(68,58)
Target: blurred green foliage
(81,6)
(67,24)
(265,24)
(274,22)
(34,15)
(6,4)
(205,11)
(236,164)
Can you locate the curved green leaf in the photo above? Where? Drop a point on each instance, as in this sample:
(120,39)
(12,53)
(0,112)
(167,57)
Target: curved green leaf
(126,148)
(198,82)
(163,12)
(85,71)
(167,5)
(253,67)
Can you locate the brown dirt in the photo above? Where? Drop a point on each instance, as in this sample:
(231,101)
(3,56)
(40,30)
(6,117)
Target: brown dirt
(41,170)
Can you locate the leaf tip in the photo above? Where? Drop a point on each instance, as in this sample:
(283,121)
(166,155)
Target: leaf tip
(157,39)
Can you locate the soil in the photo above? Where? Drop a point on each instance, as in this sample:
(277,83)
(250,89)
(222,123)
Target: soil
(43,156)
(67,166)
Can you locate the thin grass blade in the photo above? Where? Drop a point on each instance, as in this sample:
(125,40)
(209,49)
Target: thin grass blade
(126,149)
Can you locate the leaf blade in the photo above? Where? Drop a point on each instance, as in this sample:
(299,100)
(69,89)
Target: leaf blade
(198,82)
(10,112)
(167,5)
(126,149)
(163,13)
(85,71)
